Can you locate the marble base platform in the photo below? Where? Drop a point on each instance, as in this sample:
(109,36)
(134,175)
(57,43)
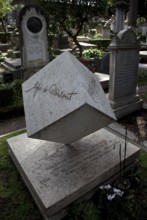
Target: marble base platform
(58,174)
(128,109)
(104,79)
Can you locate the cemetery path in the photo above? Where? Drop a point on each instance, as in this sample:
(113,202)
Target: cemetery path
(142,90)
(13,124)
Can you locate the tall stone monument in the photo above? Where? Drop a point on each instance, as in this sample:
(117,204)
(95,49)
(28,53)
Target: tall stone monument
(33,38)
(120,15)
(63,103)
(124,59)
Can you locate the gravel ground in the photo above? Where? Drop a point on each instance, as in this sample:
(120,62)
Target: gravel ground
(12,124)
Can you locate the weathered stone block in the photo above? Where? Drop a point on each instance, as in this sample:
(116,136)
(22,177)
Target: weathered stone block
(64,102)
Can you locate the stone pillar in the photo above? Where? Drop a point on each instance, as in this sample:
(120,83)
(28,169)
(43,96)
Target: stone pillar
(120,18)
(33,40)
(124,59)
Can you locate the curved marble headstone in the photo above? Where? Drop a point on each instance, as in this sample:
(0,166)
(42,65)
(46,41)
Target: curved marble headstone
(64,102)
(33,37)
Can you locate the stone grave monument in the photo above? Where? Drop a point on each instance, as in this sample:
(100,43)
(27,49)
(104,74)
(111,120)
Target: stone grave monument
(106,30)
(120,15)
(77,95)
(124,59)
(33,39)
(63,103)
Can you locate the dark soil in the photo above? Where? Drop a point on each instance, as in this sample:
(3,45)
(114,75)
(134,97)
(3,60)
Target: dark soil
(136,123)
(12,124)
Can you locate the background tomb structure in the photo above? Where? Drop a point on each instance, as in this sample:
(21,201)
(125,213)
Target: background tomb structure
(124,60)
(33,39)
(64,102)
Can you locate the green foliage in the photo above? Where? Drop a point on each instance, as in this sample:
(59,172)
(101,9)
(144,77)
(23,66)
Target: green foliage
(66,15)
(142,79)
(83,211)
(93,52)
(143,162)
(2,58)
(141,20)
(11,93)
(72,14)
(5,6)
(17,91)
(98,36)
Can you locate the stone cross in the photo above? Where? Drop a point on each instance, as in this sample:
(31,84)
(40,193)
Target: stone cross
(120,15)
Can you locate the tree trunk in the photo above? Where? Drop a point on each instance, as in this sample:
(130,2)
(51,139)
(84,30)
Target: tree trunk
(3,25)
(73,36)
(78,45)
(133,10)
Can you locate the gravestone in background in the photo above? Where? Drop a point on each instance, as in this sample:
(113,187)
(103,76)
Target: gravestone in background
(124,59)
(64,102)
(33,38)
(120,17)
(105,64)
(106,33)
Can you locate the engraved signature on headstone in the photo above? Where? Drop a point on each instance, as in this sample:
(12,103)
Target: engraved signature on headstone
(53,90)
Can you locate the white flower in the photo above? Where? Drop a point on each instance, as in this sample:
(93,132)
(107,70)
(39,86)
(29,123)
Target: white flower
(116,192)
(106,187)
(111,197)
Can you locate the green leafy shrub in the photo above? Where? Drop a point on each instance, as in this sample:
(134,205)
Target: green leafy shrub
(2,58)
(98,36)
(92,53)
(6,95)
(142,79)
(83,211)
(17,91)
(141,20)
(10,94)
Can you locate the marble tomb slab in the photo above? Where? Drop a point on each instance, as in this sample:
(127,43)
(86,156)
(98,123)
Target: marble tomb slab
(58,174)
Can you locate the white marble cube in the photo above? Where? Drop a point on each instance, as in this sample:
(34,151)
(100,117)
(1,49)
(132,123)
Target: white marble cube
(64,102)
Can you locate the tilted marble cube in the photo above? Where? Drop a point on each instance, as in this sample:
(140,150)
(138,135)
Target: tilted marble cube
(64,102)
